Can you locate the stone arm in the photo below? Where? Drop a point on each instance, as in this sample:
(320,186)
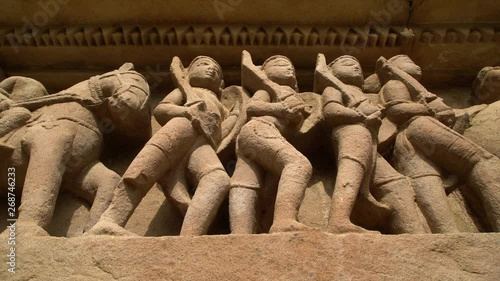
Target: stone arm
(399,105)
(334,111)
(260,105)
(170,107)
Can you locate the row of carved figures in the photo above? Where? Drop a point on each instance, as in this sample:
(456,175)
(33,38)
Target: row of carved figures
(55,140)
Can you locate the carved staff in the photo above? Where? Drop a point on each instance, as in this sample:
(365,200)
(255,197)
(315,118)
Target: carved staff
(192,99)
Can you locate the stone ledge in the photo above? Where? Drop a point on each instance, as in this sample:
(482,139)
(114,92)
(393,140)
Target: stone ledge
(288,256)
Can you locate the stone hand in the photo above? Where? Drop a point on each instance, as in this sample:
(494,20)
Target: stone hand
(374,120)
(194,110)
(293,106)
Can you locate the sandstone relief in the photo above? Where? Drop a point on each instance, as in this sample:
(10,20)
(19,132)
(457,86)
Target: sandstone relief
(274,113)
(227,155)
(181,155)
(54,141)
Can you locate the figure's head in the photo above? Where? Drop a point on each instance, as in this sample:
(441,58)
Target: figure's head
(20,88)
(407,65)
(348,70)
(486,87)
(280,70)
(205,72)
(128,96)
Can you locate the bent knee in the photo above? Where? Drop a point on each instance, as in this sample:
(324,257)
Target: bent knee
(220,176)
(302,166)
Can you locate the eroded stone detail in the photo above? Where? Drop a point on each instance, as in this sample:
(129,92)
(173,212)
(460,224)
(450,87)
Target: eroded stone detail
(207,35)
(181,156)
(395,154)
(353,122)
(275,112)
(425,147)
(241,35)
(55,141)
(486,86)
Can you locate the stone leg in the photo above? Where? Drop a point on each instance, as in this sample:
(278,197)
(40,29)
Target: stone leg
(246,180)
(264,145)
(353,149)
(49,151)
(97,183)
(160,153)
(175,187)
(295,175)
(212,189)
(485,178)
(427,184)
(453,152)
(395,190)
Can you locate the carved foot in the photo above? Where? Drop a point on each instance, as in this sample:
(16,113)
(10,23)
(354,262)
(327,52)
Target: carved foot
(108,228)
(348,228)
(288,226)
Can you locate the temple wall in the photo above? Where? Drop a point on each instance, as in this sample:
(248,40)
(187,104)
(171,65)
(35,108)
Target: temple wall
(63,42)
(82,37)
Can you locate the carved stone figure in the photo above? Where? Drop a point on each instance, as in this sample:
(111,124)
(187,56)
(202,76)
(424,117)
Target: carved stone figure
(275,112)
(181,154)
(373,83)
(390,187)
(55,141)
(354,122)
(486,86)
(425,146)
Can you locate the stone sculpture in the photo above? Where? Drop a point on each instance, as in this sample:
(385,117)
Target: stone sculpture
(486,86)
(275,112)
(425,147)
(390,187)
(181,154)
(17,89)
(353,122)
(373,83)
(55,141)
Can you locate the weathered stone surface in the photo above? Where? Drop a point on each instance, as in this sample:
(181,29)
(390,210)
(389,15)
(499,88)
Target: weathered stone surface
(290,256)
(484,129)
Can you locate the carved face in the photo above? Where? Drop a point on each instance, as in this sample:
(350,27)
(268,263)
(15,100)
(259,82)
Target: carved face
(408,66)
(205,73)
(281,71)
(348,70)
(490,86)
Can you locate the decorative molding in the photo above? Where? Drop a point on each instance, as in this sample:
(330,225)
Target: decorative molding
(205,35)
(450,35)
(240,35)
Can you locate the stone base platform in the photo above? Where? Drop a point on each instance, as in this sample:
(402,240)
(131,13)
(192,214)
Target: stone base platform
(288,256)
